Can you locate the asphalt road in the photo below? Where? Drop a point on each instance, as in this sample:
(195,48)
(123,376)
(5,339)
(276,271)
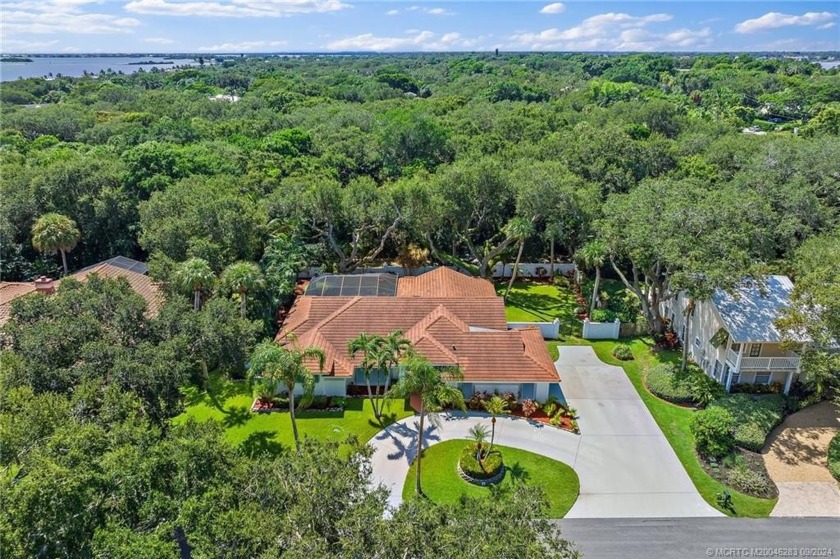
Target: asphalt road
(628,538)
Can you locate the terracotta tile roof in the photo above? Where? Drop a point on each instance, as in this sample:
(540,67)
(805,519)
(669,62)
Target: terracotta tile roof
(142,284)
(9,291)
(468,331)
(444,282)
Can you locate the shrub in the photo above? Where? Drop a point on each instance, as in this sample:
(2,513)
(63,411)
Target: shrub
(265,391)
(549,408)
(713,432)
(476,401)
(529,407)
(562,282)
(509,398)
(622,352)
(754,416)
(834,456)
(667,339)
(665,381)
(602,315)
(742,478)
(485,469)
(338,402)
(703,388)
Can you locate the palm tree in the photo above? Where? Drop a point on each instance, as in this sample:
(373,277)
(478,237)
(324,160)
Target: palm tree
(194,275)
(520,229)
(274,363)
(478,433)
(368,345)
(593,255)
(495,406)
(53,233)
(432,386)
(394,347)
(243,278)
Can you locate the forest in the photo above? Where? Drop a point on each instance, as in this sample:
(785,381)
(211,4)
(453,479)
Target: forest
(671,173)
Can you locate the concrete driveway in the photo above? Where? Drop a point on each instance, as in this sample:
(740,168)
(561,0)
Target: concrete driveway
(625,464)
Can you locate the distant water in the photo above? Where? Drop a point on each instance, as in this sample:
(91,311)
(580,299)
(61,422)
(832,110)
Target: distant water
(76,66)
(830,64)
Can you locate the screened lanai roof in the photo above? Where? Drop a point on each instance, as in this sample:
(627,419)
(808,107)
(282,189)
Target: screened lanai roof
(381,285)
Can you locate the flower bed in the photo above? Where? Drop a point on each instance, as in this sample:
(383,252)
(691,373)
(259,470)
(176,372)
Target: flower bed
(319,403)
(564,422)
(743,470)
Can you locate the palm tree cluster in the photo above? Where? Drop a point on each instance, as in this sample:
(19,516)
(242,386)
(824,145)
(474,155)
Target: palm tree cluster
(195,276)
(380,354)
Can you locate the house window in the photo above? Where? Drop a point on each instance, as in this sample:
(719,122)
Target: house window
(717,370)
(736,378)
(762,378)
(735,347)
(696,341)
(755,350)
(682,334)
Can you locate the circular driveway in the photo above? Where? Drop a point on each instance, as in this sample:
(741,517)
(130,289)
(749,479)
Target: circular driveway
(625,465)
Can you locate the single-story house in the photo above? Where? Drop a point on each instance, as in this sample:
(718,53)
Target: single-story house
(451,319)
(733,336)
(134,271)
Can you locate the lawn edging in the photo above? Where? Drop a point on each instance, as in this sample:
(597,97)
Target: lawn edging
(674,422)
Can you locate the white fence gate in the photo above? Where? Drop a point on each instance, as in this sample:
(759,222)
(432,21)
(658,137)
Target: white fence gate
(601,330)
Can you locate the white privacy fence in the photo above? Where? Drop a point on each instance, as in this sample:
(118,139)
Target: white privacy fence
(549,330)
(601,330)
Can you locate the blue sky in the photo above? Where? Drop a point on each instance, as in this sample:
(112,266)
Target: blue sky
(89,26)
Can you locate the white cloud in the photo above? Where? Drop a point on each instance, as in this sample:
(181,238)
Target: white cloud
(430,11)
(775,20)
(616,32)
(19,45)
(554,8)
(60,16)
(599,32)
(242,47)
(414,40)
(158,40)
(392,12)
(234,8)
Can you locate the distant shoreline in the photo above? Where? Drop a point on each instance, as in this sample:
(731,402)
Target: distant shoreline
(18,59)
(147,62)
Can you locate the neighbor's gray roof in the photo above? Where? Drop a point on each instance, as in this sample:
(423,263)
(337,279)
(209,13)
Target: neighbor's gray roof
(749,312)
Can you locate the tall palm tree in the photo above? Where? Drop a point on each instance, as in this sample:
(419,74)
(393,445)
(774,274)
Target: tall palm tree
(520,229)
(593,255)
(368,345)
(194,275)
(271,362)
(53,233)
(392,349)
(495,406)
(432,386)
(243,278)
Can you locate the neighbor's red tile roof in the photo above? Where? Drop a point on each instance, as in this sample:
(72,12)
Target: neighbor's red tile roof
(466,328)
(444,282)
(141,283)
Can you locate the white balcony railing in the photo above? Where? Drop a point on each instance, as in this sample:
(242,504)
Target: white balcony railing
(732,357)
(769,363)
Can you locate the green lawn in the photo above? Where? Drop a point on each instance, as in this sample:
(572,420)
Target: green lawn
(230,403)
(442,484)
(540,302)
(674,422)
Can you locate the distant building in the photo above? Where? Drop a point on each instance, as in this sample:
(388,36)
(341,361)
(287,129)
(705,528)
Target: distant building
(225,98)
(133,271)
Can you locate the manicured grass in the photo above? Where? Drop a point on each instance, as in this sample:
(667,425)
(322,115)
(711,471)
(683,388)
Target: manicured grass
(230,402)
(674,421)
(530,301)
(442,484)
(834,456)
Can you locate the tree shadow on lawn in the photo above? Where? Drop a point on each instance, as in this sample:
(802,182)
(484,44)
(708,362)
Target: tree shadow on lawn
(409,449)
(236,416)
(262,443)
(518,473)
(544,307)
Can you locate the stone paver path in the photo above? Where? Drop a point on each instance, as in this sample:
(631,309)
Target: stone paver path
(795,457)
(625,464)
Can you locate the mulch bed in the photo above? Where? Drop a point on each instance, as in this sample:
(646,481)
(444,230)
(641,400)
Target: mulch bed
(541,417)
(754,462)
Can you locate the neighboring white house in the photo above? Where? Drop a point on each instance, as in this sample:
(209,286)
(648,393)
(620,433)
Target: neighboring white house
(733,336)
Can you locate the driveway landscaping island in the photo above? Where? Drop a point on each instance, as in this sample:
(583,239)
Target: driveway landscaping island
(442,484)
(625,465)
